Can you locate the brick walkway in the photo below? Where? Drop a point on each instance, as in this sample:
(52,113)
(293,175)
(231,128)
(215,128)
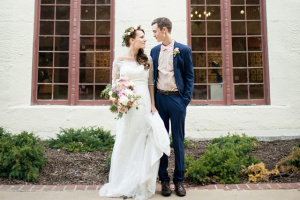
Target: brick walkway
(250,186)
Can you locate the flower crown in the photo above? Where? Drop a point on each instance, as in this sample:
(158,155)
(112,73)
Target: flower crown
(129,31)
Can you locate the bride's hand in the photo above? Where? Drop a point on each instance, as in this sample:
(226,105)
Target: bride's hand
(153,109)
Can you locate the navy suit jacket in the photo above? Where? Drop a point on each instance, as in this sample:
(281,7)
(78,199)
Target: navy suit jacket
(183,69)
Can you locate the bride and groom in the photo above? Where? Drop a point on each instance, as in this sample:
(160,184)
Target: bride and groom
(165,83)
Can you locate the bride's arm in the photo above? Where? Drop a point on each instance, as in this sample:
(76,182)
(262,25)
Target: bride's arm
(151,87)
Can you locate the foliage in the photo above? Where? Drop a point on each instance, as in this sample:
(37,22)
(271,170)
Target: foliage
(85,139)
(186,142)
(258,172)
(292,162)
(223,159)
(21,156)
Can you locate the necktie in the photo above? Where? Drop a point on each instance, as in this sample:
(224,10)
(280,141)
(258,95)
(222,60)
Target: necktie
(168,48)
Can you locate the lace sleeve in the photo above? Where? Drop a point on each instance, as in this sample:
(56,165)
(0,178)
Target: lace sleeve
(151,72)
(115,71)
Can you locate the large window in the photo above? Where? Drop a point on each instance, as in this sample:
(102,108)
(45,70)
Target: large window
(73,40)
(228,40)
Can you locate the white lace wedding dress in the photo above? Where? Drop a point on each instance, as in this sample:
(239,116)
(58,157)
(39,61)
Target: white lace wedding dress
(141,140)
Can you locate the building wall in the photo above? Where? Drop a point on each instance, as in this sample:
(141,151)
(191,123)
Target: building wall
(279,118)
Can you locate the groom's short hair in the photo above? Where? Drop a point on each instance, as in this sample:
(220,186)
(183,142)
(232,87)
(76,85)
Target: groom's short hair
(163,22)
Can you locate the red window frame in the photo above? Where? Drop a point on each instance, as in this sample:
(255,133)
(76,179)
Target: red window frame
(74,43)
(227,57)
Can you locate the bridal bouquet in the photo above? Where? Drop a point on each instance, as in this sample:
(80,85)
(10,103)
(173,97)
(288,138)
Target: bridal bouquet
(122,95)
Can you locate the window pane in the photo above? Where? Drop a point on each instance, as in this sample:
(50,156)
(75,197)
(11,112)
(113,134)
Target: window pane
(253,28)
(199,59)
(200,76)
(238,44)
(255,59)
(46,28)
(197,1)
(253,12)
(240,76)
(103,1)
(46,43)
(102,75)
(198,28)
(62,1)
(47,1)
(102,59)
(87,1)
(62,43)
(256,91)
(87,44)
(214,44)
(256,76)
(252,1)
(237,12)
(103,12)
(87,12)
(47,12)
(213,12)
(86,92)
(254,44)
(216,92)
(241,92)
(86,76)
(44,75)
(198,43)
(62,12)
(103,28)
(86,59)
(239,59)
(61,75)
(44,92)
(62,28)
(213,28)
(45,59)
(212,1)
(238,28)
(200,92)
(197,13)
(103,44)
(61,60)
(99,89)
(215,59)
(215,76)
(87,28)
(60,92)
(238,2)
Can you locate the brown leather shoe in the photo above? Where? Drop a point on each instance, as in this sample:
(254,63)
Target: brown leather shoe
(165,189)
(179,189)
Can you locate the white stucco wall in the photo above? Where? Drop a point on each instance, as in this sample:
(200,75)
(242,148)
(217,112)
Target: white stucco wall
(282,117)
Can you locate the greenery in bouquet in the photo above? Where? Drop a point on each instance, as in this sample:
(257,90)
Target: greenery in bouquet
(122,95)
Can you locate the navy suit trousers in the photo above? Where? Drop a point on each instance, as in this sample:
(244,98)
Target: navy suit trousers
(172,108)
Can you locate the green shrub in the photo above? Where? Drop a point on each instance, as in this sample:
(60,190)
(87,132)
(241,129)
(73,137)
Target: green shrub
(223,159)
(21,156)
(82,139)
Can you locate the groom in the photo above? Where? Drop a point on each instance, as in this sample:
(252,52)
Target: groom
(173,79)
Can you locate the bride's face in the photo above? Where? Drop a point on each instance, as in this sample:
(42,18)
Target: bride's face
(139,41)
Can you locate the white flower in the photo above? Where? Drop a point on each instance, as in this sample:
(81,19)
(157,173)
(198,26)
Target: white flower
(128,33)
(135,27)
(110,93)
(123,100)
(128,92)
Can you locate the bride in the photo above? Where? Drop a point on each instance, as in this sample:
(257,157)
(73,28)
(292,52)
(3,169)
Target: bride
(141,138)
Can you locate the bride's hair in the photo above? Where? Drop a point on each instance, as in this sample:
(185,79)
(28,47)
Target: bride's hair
(141,57)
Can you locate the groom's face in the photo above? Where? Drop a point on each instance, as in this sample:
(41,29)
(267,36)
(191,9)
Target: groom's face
(158,34)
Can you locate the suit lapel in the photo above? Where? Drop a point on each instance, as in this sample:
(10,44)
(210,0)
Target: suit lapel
(175,58)
(155,62)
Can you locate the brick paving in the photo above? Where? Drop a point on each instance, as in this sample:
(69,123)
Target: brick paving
(250,186)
